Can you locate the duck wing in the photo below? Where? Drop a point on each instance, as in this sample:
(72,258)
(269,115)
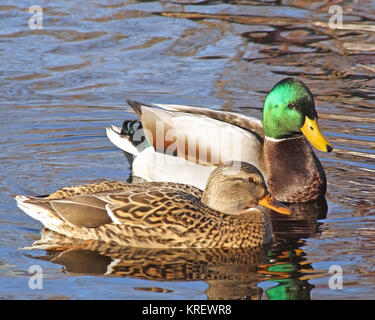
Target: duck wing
(94,205)
(200,136)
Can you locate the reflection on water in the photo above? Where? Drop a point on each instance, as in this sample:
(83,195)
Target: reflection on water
(229,273)
(62,85)
(290,272)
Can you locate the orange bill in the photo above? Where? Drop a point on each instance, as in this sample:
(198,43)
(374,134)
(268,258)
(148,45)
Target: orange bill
(270,202)
(312,133)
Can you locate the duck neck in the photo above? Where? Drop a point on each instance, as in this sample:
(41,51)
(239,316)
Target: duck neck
(291,165)
(284,152)
(270,140)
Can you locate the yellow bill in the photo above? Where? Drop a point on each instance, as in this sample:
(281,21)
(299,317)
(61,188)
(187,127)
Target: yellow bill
(270,202)
(312,133)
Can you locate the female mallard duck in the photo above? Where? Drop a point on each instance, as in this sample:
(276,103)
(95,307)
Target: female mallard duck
(164,215)
(183,144)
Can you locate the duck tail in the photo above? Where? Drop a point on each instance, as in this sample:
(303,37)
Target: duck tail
(41,210)
(136,106)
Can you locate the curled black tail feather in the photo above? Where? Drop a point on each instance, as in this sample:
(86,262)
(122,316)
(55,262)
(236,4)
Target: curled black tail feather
(130,128)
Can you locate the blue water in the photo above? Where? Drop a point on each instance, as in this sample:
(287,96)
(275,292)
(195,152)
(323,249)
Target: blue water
(62,85)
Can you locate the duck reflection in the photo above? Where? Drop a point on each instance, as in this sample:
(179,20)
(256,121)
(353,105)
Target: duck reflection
(229,273)
(303,222)
(289,270)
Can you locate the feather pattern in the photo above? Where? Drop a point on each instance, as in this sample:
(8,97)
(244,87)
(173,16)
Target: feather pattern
(187,143)
(161,214)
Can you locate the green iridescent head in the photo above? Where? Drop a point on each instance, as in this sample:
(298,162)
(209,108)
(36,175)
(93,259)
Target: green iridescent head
(289,111)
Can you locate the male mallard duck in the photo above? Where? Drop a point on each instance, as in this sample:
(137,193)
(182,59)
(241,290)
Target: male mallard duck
(157,214)
(183,144)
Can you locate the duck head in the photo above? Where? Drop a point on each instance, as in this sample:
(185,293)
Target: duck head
(289,111)
(236,186)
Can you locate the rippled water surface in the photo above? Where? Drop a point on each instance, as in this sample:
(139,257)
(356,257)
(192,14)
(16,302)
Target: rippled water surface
(62,85)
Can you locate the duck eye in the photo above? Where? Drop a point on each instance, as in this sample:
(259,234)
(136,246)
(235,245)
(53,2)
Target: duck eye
(291,106)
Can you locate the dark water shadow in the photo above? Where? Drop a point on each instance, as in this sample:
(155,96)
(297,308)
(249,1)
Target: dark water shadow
(303,223)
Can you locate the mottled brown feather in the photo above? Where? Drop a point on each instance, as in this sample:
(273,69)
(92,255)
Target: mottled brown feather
(159,215)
